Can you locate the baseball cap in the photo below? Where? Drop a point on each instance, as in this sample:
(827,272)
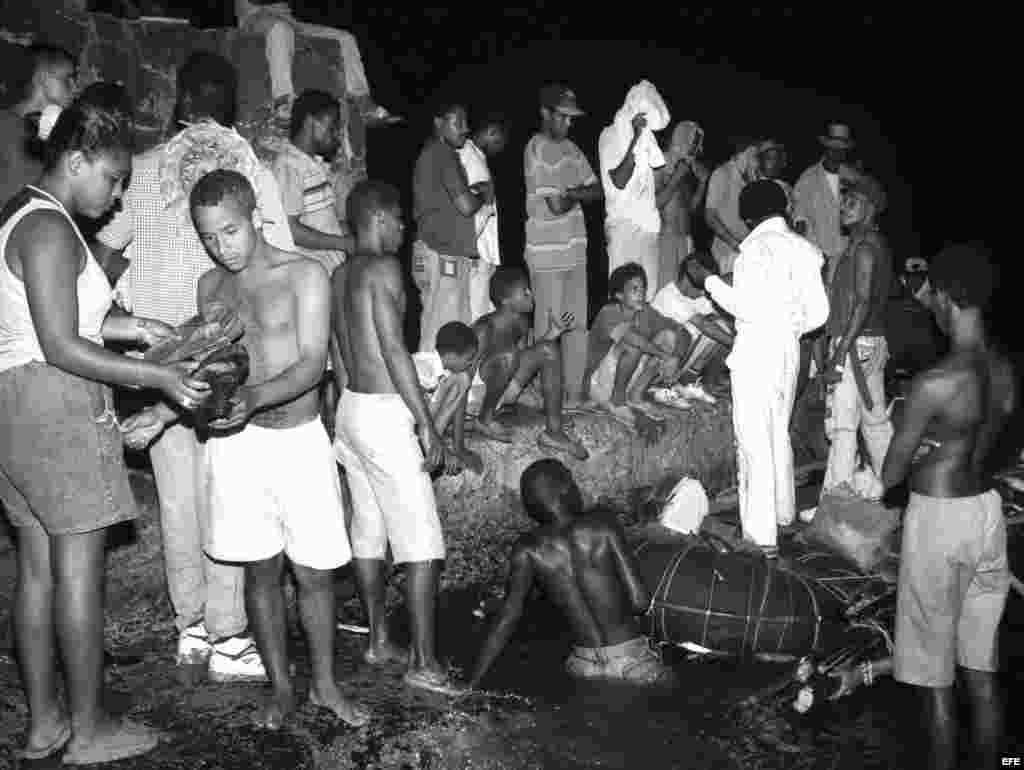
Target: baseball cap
(560,98)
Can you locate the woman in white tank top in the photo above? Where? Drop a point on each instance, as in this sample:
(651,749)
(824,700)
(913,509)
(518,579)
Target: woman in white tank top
(62,475)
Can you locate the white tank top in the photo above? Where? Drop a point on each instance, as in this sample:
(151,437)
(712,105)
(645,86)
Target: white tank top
(19,343)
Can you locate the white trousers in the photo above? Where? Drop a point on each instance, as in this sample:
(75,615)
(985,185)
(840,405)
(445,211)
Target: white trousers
(848,413)
(629,243)
(762,402)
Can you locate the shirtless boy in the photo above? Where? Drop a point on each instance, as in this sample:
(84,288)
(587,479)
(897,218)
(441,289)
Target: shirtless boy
(631,346)
(446,374)
(509,360)
(954,577)
(381,413)
(581,561)
(273,485)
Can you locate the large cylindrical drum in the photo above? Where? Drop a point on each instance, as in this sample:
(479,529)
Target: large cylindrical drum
(735,603)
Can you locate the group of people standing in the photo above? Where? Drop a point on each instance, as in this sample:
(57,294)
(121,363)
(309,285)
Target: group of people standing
(205,228)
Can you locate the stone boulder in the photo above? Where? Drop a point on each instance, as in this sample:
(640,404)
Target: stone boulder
(482,514)
(144,56)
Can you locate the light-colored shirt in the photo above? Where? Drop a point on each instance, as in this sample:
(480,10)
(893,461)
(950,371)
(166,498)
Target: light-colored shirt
(154,226)
(554,241)
(777,292)
(816,202)
(307,192)
(672,303)
(19,342)
(636,202)
(723,198)
(474,160)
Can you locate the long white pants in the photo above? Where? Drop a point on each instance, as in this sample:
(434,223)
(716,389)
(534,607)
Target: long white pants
(628,243)
(848,413)
(762,402)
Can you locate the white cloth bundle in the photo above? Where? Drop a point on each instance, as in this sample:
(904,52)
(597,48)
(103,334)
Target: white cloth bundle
(686,507)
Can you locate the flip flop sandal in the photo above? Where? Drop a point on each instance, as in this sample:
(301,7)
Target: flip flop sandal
(58,743)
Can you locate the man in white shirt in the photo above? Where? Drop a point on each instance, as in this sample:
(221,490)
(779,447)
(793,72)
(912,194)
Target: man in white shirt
(689,306)
(165,260)
(776,296)
(489,139)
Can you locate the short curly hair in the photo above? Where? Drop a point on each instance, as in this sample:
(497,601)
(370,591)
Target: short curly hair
(223,183)
(622,275)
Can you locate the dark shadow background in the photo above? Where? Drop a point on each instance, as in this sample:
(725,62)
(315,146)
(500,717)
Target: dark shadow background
(912,86)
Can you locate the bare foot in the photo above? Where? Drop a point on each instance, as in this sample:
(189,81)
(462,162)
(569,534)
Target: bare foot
(494,430)
(47,738)
(345,709)
(385,652)
(112,741)
(560,442)
(648,410)
(275,710)
(620,412)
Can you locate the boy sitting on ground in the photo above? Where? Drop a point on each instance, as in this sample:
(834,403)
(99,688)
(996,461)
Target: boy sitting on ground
(445,375)
(581,561)
(509,360)
(631,347)
(686,304)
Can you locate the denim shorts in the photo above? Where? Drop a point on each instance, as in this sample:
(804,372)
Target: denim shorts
(61,455)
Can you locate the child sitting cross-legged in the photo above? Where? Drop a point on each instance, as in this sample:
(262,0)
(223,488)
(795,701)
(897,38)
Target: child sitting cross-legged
(509,358)
(631,347)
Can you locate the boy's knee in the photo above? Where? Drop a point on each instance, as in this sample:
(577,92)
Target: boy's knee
(461,382)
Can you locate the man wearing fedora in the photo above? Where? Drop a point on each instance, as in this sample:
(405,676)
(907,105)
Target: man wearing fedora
(816,197)
(559,180)
(855,375)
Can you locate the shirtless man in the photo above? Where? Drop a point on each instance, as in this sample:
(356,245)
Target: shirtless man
(582,563)
(953,577)
(510,359)
(273,484)
(381,414)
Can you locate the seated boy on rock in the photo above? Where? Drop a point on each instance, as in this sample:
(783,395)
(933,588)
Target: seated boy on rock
(445,375)
(509,359)
(688,305)
(582,563)
(631,347)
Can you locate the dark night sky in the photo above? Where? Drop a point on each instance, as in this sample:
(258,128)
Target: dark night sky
(905,82)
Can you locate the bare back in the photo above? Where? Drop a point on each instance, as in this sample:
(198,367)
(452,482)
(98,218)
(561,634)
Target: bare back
(971,394)
(585,569)
(359,290)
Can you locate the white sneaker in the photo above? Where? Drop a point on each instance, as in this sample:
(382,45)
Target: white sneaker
(236,659)
(194,645)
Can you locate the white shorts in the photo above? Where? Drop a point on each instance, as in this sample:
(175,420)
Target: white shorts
(392,496)
(274,490)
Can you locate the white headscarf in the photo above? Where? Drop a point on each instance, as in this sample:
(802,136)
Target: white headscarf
(643,97)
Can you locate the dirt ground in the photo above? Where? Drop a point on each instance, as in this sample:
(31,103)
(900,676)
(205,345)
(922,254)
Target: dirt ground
(723,715)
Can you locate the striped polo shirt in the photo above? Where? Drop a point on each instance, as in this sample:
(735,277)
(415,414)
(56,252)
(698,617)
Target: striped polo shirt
(554,242)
